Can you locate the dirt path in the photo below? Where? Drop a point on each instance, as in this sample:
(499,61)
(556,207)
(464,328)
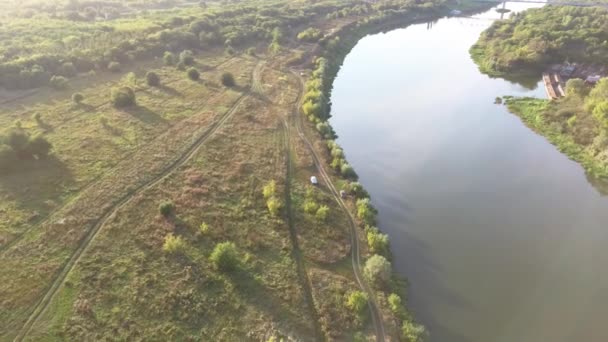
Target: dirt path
(65,270)
(297,252)
(355,252)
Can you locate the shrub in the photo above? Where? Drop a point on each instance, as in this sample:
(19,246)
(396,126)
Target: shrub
(356,301)
(365,211)
(412,332)
(77,98)
(269,189)
(193,74)
(122,97)
(322,213)
(310,35)
(17,139)
(180,66)
(114,67)
(228,80)
(224,256)
(310,206)
(131,79)
(358,190)
(166,208)
(274,205)
(59,82)
(347,171)
(168,58)
(186,57)
(251,51)
(395,304)
(377,242)
(174,244)
(152,79)
(230,51)
(325,129)
(203,228)
(377,270)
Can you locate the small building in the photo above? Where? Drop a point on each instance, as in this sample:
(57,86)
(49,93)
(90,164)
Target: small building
(593,79)
(313,180)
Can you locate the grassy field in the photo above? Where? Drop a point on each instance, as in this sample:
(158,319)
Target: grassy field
(116,234)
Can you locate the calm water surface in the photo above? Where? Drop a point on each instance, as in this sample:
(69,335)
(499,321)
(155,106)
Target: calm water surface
(501,236)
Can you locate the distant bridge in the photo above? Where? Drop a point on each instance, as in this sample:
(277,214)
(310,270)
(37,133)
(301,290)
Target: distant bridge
(557,3)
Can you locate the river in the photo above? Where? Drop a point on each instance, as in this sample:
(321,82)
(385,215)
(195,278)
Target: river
(501,236)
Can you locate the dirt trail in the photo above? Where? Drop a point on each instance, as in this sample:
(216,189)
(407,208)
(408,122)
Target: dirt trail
(48,216)
(65,270)
(355,252)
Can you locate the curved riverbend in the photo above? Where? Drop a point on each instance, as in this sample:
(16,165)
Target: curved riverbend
(501,236)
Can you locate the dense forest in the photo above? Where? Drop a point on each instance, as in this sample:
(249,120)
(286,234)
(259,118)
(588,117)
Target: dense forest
(69,38)
(533,39)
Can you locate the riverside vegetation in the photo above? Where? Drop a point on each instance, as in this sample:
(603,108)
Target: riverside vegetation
(528,43)
(150,187)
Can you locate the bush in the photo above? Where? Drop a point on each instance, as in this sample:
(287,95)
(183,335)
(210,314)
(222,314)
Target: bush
(310,206)
(325,129)
(114,67)
(251,51)
(365,211)
(347,171)
(77,98)
(203,228)
(59,82)
(174,244)
(168,58)
(358,190)
(377,270)
(396,306)
(225,256)
(377,242)
(180,66)
(356,301)
(17,139)
(322,213)
(274,205)
(166,208)
(122,97)
(193,74)
(269,189)
(230,51)
(412,332)
(152,79)
(228,80)
(186,57)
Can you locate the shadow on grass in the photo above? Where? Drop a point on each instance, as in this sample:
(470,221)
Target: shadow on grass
(145,115)
(259,296)
(36,184)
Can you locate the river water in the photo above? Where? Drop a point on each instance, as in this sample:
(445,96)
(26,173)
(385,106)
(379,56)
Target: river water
(500,235)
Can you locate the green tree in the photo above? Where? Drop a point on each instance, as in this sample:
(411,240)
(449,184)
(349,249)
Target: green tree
(377,242)
(576,87)
(395,304)
(186,57)
(168,58)
(412,332)
(356,301)
(122,97)
(377,270)
(225,256)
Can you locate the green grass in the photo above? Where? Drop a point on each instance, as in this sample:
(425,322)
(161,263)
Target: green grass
(532,112)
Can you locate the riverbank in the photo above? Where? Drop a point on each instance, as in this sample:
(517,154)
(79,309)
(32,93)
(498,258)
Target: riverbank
(335,48)
(533,113)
